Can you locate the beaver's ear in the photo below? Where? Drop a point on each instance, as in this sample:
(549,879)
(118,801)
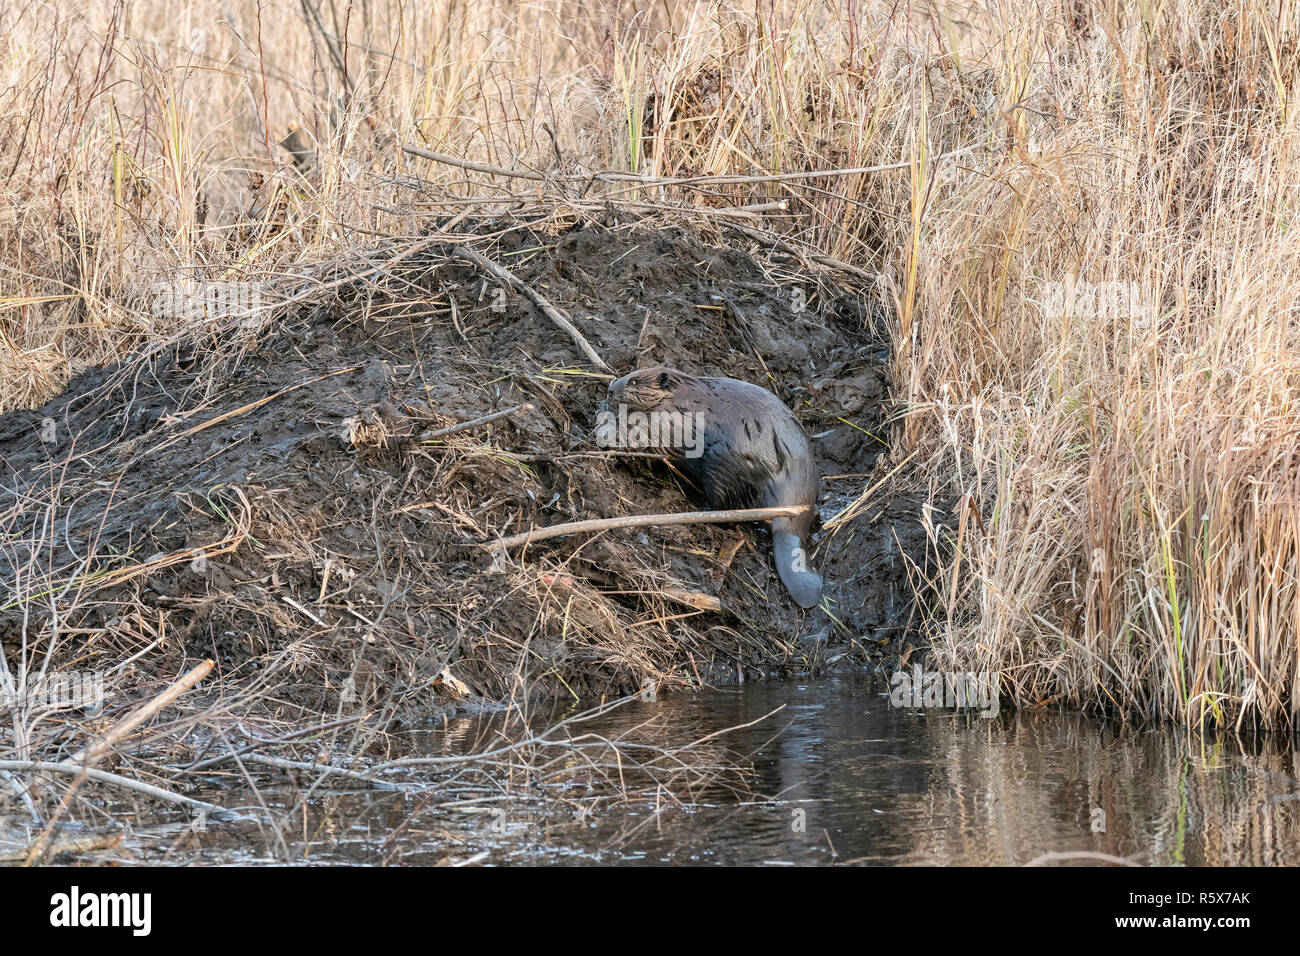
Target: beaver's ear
(664,379)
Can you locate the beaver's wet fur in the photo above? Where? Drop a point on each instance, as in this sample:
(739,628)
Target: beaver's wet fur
(753,453)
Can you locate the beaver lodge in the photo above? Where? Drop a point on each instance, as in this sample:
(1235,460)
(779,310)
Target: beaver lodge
(295,498)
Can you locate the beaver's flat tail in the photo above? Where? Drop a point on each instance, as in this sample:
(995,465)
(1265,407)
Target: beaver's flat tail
(803,583)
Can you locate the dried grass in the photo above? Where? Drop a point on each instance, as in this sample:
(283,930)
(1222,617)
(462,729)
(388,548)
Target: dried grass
(1128,532)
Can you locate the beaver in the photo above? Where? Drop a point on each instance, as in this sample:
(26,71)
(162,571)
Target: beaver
(739,445)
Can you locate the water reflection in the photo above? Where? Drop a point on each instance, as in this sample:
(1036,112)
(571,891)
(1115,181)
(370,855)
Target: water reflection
(837,775)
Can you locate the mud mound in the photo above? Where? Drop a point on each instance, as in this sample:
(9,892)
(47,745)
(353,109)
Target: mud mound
(272,505)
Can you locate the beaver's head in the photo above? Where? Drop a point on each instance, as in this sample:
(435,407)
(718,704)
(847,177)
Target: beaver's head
(647,388)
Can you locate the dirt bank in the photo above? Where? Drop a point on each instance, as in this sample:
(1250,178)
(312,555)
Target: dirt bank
(262,500)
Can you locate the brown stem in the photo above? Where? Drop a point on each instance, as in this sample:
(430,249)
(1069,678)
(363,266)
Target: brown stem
(637,521)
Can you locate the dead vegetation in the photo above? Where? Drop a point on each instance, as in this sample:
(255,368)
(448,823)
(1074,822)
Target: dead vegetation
(1107,480)
(321,501)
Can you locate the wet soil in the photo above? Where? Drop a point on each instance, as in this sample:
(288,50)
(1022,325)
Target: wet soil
(261,499)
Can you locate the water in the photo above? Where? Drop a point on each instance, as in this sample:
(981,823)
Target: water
(836,775)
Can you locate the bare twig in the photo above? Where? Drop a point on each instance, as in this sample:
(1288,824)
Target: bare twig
(102,746)
(261,742)
(476,167)
(617,176)
(462,426)
(323,769)
(234,413)
(103,776)
(859,504)
(636,521)
(695,599)
(801,253)
(96,841)
(82,763)
(552,313)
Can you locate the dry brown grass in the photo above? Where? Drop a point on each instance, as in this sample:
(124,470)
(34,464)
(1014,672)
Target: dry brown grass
(1133,467)
(1130,530)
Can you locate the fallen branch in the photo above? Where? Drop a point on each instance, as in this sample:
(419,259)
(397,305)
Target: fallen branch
(615,176)
(263,742)
(103,776)
(644,207)
(86,844)
(323,769)
(226,416)
(637,521)
(462,426)
(552,313)
(102,746)
(791,249)
(82,763)
(476,167)
(699,600)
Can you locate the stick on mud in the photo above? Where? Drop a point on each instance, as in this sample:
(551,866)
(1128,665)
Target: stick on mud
(552,313)
(639,521)
(472,423)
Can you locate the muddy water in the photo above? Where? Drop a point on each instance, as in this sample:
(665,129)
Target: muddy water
(836,775)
